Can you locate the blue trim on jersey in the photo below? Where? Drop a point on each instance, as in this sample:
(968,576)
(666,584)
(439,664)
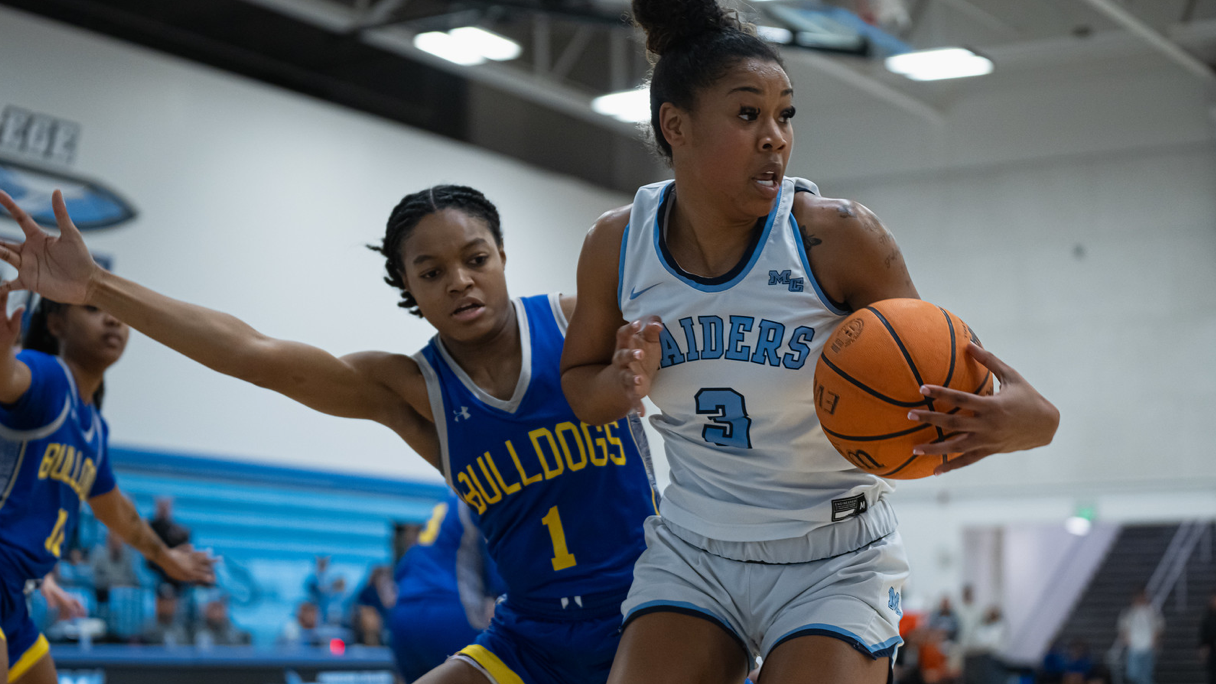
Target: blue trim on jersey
(620,271)
(883,649)
(720,287)
(806,265)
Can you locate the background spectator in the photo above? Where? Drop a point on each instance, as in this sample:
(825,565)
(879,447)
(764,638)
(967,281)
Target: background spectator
(372,603)
(1079,666)
(166,629)
(969,617)
(74,571)
(172,533)
(1207,639)
(945,621)
(113,566)
(325,589)
(1054,663)
(216,628)
(982,662)
(302,631)
(1140,626)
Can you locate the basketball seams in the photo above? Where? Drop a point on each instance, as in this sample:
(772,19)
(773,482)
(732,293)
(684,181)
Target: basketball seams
(877,395)
(875,438)
(907,357)
(902,349)
(953,347)
(889,435)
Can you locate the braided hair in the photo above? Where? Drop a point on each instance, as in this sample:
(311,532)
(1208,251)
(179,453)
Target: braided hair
(38,337)
(693,43)
(409,213)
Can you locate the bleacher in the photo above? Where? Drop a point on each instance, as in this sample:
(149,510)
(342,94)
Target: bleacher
(268,523)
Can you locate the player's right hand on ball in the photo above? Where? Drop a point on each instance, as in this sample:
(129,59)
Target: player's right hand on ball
(58,268)
(636,358)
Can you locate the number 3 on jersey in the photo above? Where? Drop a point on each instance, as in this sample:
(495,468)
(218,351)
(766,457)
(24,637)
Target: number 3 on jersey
(728,412)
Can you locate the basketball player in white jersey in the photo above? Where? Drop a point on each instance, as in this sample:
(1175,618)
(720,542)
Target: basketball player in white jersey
(733,276)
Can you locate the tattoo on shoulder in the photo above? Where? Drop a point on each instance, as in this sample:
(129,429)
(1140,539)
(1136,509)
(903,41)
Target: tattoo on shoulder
(808,240)
(845,210)
(892,257)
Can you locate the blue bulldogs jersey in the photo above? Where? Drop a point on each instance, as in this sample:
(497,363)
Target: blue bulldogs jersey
(52,457)
(561,503)
(449,563)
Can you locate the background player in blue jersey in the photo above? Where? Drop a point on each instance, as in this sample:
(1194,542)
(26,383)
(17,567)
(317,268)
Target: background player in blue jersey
(53,444)
(561,503)
(446,590)
(769,543)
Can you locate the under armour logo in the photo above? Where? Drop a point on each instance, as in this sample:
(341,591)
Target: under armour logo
(462,414)
(893,601)
(785,278)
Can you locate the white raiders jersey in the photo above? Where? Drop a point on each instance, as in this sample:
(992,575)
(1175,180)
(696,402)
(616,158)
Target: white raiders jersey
(749,461)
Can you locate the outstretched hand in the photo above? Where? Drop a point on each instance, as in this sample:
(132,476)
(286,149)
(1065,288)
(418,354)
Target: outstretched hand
(1014,419)
(58,268)
(184,564)
(637,358)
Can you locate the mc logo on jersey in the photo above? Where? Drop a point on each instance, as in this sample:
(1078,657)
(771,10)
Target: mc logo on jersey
(785,278)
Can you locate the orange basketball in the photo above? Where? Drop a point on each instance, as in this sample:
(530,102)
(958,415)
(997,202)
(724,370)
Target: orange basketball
(869,377)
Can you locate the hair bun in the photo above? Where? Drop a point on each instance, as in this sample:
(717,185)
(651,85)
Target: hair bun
(670,22)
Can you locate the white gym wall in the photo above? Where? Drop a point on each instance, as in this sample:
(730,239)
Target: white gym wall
(258,202)
(1065,207)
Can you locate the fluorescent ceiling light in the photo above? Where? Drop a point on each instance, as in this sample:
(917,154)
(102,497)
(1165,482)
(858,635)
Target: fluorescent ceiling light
(632,106)
(468,46)
(774,34)
(1078,525)
(443,45)
(489,45)
(934,65)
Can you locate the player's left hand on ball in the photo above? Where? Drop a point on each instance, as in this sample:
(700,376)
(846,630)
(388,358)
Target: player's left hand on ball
(184,564)
(1014,419)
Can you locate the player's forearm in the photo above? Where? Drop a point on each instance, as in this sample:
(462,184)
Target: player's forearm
(120,516)
(14,377)
(595,393)
(215,339)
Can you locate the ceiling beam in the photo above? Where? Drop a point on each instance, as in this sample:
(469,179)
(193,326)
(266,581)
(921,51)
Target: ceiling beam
(399,40)
(982,16)
(1154,38)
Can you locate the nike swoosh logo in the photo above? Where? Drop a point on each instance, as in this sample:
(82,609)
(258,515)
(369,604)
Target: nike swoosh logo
(634,294)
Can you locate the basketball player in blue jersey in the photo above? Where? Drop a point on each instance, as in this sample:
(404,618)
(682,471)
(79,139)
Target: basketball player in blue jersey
(561,503)
(446,589)
(53,444)
(713,295)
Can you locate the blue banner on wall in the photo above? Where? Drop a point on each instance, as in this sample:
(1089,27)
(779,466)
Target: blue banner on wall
(91,204)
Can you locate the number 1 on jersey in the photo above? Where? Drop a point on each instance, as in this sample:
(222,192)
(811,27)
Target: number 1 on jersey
(562,558)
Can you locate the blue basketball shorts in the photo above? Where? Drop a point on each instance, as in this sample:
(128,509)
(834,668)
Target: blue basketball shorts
(24,642)
(574,644)
(425,633)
